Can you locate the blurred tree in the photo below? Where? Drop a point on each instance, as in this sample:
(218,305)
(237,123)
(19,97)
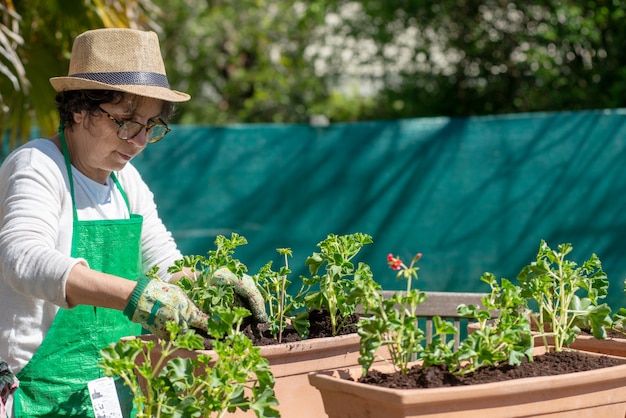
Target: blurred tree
(287,60)
(35,40)
(472,57)
(243,63)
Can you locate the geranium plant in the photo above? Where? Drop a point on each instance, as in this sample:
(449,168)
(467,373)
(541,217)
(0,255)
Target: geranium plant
(203,386)
(507,338)
(618,320)
(283,307)
(392,322)
(200,286)
(567,295)
(342,285)
(340,289)
(336,283)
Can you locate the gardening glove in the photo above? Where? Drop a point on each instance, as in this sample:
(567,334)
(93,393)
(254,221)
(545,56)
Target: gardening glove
(245,289)
(8,385)
(153,303)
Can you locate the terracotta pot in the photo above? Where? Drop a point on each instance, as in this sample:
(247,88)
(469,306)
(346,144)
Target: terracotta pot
(596,393)
(291,363)
(609,346)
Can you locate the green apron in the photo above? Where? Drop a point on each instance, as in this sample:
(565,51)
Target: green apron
(54,382)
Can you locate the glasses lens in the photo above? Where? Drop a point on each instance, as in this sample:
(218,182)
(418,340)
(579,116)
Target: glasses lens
(129,129)
(157,132)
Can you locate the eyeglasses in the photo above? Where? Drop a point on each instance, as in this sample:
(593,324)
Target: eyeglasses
(156,128)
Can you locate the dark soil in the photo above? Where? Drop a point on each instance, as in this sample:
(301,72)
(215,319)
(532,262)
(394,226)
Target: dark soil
(548,364)
(610,333)
(438,376)
(320,327)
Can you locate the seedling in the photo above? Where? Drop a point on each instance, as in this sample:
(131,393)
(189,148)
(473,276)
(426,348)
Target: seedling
(203,386)
(567,296)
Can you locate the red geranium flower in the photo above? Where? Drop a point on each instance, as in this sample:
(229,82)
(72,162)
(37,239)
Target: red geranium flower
(394,262)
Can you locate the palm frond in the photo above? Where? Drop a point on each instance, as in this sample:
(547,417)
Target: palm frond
(35,45)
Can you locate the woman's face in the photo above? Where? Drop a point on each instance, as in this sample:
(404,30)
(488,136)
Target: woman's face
(94,146)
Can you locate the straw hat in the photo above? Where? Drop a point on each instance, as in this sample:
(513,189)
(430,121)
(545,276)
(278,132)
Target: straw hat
(125,60)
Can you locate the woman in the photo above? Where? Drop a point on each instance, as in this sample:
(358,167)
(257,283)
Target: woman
(80,228)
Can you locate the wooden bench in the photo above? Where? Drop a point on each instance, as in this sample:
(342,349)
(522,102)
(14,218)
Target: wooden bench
(444,304)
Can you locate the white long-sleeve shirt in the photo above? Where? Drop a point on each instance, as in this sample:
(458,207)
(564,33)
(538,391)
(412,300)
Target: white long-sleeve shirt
(36,217)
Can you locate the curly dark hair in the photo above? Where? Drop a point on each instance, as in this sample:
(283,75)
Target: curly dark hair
(74,101)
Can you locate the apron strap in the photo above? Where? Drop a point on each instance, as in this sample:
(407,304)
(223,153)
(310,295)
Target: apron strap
(68,165)
(119,187)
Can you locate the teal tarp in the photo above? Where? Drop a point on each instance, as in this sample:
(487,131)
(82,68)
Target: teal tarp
(472,195)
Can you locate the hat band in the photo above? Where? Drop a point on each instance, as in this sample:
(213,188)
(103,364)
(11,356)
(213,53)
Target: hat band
(127,78)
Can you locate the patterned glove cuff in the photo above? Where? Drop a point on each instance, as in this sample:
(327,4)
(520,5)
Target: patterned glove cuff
(129,310)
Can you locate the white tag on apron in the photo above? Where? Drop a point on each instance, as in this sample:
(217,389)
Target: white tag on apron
(104,398)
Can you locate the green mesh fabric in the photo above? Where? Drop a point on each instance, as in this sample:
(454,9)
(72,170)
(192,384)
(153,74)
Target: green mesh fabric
(472,194)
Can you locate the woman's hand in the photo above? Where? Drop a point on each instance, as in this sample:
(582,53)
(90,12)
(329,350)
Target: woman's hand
(153,303)
(245,289)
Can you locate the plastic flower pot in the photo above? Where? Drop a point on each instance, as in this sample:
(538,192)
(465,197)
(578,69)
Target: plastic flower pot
(595,393)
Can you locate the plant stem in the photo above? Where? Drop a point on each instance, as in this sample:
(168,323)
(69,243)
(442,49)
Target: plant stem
(281,306)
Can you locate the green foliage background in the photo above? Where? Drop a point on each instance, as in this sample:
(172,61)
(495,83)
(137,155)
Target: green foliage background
(284,61)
